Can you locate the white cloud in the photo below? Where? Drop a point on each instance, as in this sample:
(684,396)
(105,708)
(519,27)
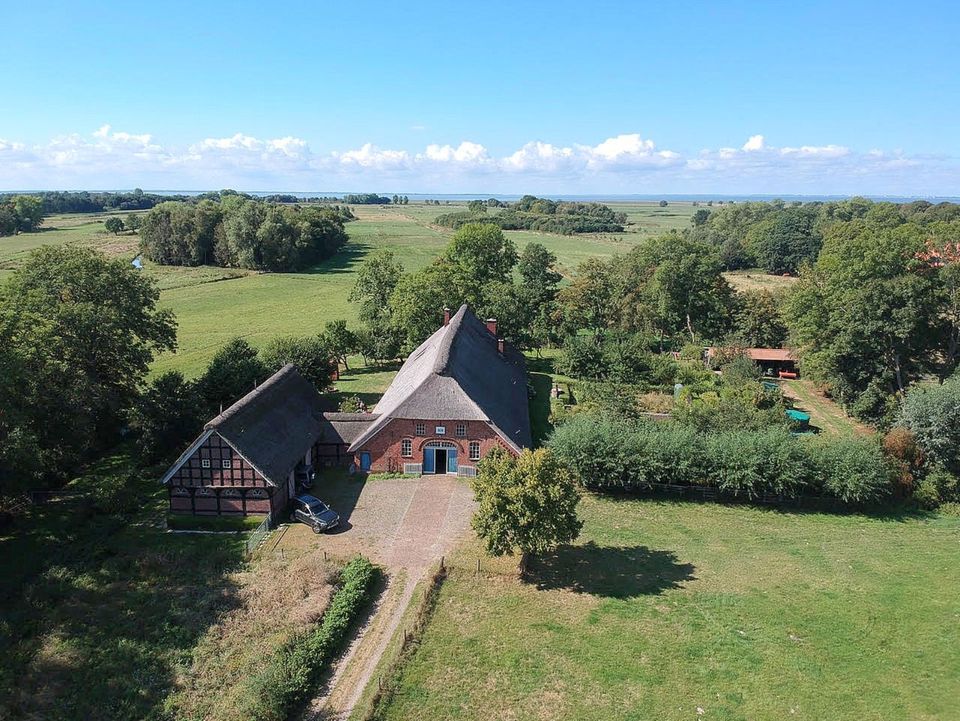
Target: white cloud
(370,156)
(466,152)
(624,163)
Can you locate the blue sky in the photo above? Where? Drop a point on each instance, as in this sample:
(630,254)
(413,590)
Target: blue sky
(751,97)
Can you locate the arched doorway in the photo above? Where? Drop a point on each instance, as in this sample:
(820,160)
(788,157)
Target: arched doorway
(440,457)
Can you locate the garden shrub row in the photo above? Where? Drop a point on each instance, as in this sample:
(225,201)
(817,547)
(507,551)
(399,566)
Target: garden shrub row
(292,674)
(614,454)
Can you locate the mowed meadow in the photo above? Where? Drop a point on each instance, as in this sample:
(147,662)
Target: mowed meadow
(677,611)
(214,304)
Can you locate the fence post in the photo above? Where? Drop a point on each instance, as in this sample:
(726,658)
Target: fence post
(478,564)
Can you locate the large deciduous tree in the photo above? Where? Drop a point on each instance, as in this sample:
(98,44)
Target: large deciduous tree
(80,332)
(526,504)
(868,315)
(233,372)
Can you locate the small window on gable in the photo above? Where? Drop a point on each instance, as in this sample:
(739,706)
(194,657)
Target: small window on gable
(421,429)
(474,450)
(225,463)
(406,448)
(204,462)
(461,430)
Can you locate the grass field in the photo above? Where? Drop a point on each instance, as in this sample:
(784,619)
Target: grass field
(681,611)
(215,304)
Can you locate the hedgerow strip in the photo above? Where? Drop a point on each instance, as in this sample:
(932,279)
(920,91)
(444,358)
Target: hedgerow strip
(292,674)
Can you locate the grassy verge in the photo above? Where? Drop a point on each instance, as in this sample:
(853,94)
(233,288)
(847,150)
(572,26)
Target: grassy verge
(291,675)
(401,648)
(661,609)
(825,414)
(181,522)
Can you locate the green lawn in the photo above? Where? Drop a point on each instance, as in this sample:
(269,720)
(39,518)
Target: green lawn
(680,611)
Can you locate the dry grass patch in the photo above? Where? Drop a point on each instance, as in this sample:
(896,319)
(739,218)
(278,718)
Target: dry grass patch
(277,598)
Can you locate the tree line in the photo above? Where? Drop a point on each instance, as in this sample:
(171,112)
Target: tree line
(540,214)
(58,201)
(781,237)
(242,232)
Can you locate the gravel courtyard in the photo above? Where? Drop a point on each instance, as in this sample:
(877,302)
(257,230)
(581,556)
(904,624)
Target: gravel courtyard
(397,522)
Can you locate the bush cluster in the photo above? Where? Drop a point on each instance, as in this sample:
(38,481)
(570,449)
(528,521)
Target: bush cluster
(613,454)
(290,676)
(541,214)
(242,233)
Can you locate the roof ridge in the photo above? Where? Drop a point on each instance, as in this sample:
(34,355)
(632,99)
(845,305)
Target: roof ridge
(442,362)
(250,397)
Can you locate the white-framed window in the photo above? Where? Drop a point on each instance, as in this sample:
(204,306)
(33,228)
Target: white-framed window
(461,430)
(421,429)
(406,448)
(204,462)
(440,430)
(225,463)
(474,450)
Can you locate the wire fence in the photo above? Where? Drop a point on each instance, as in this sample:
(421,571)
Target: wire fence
(259,535)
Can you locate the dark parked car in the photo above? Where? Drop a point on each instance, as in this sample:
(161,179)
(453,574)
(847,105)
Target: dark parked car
(315,513)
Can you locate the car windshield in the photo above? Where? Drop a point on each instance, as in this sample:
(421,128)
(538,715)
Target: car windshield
(318,507)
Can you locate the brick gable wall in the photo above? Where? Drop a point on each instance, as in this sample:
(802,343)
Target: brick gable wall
(385,446)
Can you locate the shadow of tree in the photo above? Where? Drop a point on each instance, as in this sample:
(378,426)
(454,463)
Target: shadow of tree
(104,608)
(611,571)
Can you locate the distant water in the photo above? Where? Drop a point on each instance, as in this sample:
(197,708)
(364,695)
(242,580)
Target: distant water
(611,198)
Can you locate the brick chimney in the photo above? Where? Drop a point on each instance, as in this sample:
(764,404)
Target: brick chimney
(492,325)
(500,346)
(446,316)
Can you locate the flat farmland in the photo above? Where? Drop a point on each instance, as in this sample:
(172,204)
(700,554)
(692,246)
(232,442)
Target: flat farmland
(214,304)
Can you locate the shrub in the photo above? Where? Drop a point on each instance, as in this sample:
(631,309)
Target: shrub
(937,487)
(933,414)
(292,673)
(853,470)
(606,453)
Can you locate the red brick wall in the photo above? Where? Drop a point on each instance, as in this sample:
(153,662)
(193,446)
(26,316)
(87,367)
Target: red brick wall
(385,446)
(216,450)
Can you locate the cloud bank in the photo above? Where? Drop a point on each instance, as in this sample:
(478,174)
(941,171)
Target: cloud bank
(626,163)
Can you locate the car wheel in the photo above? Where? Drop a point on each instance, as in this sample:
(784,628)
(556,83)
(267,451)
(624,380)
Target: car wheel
(317,529)
(293,518)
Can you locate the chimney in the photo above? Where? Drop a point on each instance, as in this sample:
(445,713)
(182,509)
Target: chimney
(499,345)
(492,325)
(446,316)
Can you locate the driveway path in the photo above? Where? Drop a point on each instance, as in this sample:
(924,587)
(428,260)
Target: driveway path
(405,525)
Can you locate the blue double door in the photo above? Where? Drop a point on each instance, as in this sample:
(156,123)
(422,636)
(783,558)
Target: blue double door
(439,460)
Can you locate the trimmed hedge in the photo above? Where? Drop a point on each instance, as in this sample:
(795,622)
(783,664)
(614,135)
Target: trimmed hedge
(617,454)
(291,675)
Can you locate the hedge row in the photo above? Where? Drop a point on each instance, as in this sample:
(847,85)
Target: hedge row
(616,454)
(291,675)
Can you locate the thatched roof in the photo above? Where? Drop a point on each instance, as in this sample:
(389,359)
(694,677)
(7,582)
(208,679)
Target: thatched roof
(459,374)
(344,428)
(275,424)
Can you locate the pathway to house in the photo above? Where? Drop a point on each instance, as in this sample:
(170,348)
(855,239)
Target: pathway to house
(405,525)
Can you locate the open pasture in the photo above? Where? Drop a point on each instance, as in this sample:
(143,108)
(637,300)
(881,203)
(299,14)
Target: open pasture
(214,304)
(667,610)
